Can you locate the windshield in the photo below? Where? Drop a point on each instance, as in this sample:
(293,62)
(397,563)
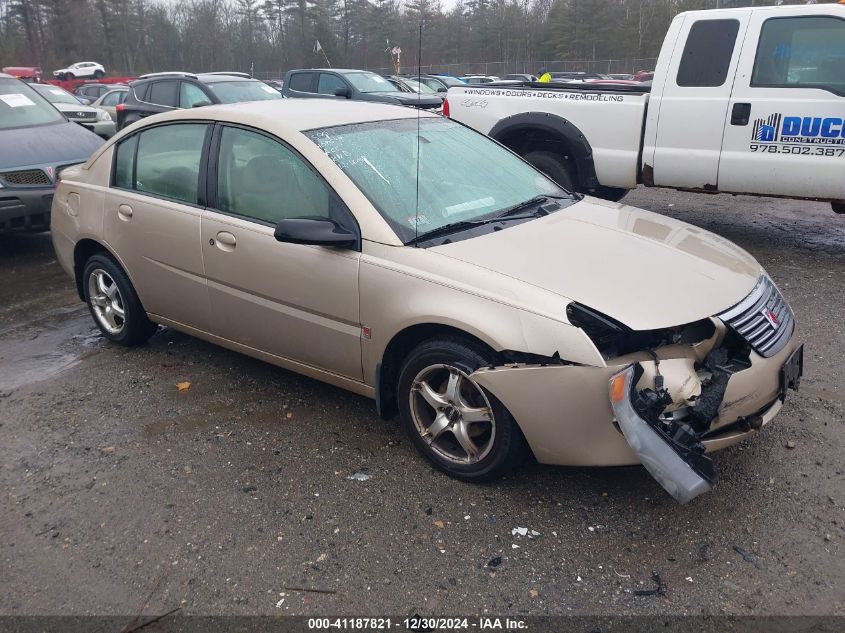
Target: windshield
(237,91)
(21,106)
(463,175)
(54,94)
(370,82)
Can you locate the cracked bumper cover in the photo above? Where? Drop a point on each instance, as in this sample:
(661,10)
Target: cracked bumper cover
(565,412)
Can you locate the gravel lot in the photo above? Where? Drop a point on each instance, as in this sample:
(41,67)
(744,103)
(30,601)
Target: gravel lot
(233,496)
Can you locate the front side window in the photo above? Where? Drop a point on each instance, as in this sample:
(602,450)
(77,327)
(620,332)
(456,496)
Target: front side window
(463,175)
(329,83)
(238,91)
(191,95)
(167,164)
(707,54)
(261,179)
(801,52)
(301,82)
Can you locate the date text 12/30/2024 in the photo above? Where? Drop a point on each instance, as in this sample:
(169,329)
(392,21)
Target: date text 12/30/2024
(417,623)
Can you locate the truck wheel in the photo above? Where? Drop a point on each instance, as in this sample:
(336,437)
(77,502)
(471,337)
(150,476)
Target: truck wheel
(98,74)
(838,207)
(555,167)
(70,76)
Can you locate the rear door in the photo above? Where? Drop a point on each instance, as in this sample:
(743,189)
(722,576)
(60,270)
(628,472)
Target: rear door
(693,104)
(785,132)
(152,219)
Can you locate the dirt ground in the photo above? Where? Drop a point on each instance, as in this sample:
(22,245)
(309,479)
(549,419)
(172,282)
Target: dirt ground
(233,496)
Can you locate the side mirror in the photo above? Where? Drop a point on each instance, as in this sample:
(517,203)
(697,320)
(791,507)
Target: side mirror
(342,91)
(314,231)
(83,100)
(200,104)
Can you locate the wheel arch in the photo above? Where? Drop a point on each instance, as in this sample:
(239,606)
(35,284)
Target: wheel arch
(397,349)
(532,131)
(82,252)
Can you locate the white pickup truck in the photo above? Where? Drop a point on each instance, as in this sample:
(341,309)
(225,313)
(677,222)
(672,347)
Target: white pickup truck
(747,101)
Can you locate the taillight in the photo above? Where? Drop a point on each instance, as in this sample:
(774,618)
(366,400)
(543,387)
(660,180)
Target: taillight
(119,107)
(445,107)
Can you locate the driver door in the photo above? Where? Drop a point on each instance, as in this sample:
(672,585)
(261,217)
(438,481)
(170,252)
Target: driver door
(298,302)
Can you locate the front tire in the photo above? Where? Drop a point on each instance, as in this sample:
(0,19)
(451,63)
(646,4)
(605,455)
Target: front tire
(555,167)
(456,424)
(113,302)
(838,207)
(98,74)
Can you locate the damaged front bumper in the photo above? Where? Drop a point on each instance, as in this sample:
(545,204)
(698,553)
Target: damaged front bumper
(567,417)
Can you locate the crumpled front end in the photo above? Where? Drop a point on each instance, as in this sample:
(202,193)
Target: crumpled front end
(705,387)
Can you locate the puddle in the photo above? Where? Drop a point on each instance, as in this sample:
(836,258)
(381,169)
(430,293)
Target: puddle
(35,352)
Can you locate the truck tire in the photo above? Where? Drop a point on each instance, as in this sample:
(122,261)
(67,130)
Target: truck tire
(838,207)
(98,74)
(555,167)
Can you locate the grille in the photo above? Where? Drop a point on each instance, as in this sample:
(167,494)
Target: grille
(81,115)
(26,177)
(763,319)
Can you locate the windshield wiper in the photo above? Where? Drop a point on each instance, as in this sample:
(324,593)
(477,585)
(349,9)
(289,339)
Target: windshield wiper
(536,200)
(464,224)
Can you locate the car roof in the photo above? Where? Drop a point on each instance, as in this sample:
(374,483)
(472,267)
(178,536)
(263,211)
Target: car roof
(285,117)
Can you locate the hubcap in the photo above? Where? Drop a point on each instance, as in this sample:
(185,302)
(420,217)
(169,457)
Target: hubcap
(452,414)
(106,301)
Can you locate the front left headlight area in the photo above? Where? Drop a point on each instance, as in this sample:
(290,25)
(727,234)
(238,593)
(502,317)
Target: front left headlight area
(102,115)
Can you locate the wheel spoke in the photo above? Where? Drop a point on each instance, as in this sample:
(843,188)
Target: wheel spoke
(475,414)
(111,292)
(462,435)
(434,399)
(118,310)
(101,283)
(435,430)
(453,388)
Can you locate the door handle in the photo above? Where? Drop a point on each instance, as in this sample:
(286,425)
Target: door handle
(741,114)
(226,241)
(124,211)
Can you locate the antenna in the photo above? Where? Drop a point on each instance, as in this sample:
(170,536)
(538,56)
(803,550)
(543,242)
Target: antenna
(419,95)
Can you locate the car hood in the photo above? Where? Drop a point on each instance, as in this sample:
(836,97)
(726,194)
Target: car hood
(643,269)
(51,145)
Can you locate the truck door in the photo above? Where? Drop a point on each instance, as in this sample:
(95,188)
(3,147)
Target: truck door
(785,132)
(689,107)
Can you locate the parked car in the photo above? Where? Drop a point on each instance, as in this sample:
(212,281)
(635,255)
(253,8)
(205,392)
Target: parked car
(479,79)
(36,143)
(160,92)
(357,85)
(440,83)
(110,100)
(730,119)
(414,84)
(456,285)
(81,70)
(93,91)
(574,77)
(521,77)
(276,84)
(94,119)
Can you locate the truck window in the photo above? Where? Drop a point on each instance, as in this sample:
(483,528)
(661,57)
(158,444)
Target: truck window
(301,82)
(707,53)
(801,52)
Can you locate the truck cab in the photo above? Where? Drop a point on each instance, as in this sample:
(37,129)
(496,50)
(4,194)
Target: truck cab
(750,101)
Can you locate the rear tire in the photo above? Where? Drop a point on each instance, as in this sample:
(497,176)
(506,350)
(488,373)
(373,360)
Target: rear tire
(98,74)
(838,207)
(555,167)
(113,302)
(458,426)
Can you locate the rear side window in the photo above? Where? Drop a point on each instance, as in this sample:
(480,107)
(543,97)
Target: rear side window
(164,93)
(801,52)
(167,161)
(301,82)
(113,98)
(708,53)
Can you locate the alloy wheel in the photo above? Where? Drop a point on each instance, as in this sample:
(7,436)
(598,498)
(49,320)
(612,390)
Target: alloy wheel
(106,301)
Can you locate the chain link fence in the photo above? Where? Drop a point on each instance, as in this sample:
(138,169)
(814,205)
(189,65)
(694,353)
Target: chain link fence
(500,69)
